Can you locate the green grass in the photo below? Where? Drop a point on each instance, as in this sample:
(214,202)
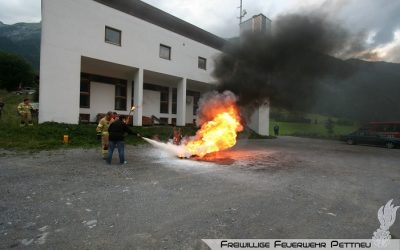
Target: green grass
(11,101)
(314,129)
(48,136)
(310,130)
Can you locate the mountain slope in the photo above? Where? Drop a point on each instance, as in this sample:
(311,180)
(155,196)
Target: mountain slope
(22,39)
(371,92)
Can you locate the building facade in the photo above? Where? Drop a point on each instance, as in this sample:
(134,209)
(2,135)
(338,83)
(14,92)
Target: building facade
(99,55)
(259,119)
(258,23)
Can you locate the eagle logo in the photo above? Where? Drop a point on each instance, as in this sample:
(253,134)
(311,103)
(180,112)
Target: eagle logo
(386,216)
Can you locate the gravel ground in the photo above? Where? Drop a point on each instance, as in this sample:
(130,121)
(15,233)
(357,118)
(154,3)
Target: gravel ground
(283,188)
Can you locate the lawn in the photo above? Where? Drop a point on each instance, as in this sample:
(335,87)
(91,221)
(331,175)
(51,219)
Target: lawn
(310,129)
(49,136)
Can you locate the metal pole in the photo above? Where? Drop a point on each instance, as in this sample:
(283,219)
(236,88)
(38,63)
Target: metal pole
(241,13)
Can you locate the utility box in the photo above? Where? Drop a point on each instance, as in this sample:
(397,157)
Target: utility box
(258,23)
(259,120)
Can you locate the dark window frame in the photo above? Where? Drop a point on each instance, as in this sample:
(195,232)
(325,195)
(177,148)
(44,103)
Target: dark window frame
(165,47)
(123,98)
(164,100)
(174,101)
(84,93)
(111,42)
(84,118)
(199,63)
(164,120)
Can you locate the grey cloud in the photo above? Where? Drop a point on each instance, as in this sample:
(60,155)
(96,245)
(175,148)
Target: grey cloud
(20,11)
(382,17)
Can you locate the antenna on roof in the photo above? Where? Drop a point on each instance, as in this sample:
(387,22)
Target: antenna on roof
(242,12)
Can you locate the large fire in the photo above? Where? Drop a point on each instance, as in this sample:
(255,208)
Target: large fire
(219,118)
(217,134)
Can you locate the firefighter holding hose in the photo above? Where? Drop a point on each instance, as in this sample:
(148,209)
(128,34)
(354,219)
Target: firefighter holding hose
(102,132)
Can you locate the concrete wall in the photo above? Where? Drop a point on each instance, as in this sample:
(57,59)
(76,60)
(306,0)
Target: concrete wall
(75,28)
(101,99)
(151,103)
(189,109)
(259,121)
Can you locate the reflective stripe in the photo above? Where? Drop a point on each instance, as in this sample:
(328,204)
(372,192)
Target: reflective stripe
(23,108)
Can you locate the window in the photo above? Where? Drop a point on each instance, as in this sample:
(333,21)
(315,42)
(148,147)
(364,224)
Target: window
(113,36)
(165,52)
(164,120)
(84,118)
(174,98)
(120,96)
(164,96)
(196,103)
(202,63)
(84,101)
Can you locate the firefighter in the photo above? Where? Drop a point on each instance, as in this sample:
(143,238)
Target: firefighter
(276,130)
(117,134)
(102,132)
(25,111)
(177,136)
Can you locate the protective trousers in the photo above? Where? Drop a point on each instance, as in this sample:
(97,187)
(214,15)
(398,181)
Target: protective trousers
(104,145)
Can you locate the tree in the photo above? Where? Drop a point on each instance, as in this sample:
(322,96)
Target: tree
(14,70)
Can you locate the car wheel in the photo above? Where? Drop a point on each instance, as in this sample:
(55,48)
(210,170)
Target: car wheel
(390,145)
(350,141)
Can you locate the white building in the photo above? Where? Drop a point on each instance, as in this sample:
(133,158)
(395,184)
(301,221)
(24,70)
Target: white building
(99,55)
(259,120)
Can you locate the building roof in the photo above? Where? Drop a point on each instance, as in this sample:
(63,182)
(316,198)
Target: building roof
(167,21)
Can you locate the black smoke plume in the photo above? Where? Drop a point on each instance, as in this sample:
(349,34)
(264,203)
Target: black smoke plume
(285,67)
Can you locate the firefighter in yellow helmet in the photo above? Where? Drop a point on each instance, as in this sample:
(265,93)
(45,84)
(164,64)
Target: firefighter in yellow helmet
(102,132)
(25,111)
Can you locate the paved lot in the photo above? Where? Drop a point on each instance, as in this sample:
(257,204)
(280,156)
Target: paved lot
(283,188)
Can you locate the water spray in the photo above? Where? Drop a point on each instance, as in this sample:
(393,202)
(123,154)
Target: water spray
(175,150)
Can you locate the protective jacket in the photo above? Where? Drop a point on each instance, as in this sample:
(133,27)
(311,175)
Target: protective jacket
(24,108)
(102,127)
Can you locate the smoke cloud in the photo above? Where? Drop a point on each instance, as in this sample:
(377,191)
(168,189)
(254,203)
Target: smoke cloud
(285,67)
(212,103)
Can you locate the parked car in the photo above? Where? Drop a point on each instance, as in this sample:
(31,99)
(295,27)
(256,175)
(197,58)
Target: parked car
(370,138)
(387,128)
(26,91)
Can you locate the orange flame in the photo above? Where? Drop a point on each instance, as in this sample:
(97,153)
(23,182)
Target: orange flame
(217,134)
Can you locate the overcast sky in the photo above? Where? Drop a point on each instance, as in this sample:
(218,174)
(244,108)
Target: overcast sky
(380,19)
